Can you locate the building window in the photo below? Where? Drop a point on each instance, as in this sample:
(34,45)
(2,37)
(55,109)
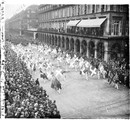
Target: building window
(56,12)
(118,8)
(93,8)
(73,10)
(89,8)
(115,7)
(82,9)
(106,7)
(76,9)
(112,7)
(97,8)
(86,10)
(70,11)
(102,8)
(67,12)
(117,27)
(121,8)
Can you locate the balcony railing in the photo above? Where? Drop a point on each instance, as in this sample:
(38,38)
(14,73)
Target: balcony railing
(76,32)
(72,33)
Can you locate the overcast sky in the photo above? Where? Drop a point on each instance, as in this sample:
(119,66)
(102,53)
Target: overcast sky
(11,9)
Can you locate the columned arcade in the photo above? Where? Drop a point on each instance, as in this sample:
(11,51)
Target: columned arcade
(92,48)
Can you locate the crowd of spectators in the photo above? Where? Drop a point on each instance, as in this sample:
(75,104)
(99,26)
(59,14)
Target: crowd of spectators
(76,30)
(60,30)
(17,39)
(85,31)
(24,98)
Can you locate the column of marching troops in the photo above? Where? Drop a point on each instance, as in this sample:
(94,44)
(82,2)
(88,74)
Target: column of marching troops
(49,61)
(116,71)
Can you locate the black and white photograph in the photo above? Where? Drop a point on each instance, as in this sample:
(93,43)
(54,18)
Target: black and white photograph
(66,60)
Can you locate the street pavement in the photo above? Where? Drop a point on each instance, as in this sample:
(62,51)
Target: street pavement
(90,99)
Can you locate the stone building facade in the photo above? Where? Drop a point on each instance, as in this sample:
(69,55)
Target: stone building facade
(25,22)
(97,31)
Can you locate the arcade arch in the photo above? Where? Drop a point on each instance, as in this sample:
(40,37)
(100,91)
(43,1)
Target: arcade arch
(63,42)
(100,50)
(115,51)
(45,38)
(52,40)
(58,42)
(49,39)
(83,48)
(67,43)
(91,49)
(55,40)
(72,44)
(77,46)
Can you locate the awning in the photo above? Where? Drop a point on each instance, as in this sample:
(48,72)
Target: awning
(73,23)
(91,22)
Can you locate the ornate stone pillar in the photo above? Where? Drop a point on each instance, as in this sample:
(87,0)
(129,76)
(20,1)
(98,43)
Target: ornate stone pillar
(54,40)
(95,52)
(62,43)
(65,44)
(34,35)
(50,40)
(87,53)
(42,37)
(70,44)
(74,46)
(81,49)
(58,42)
(106,54)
